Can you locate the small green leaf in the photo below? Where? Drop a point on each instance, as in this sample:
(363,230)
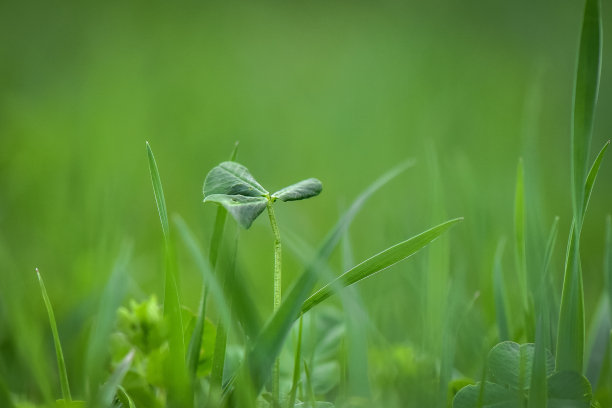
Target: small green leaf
(244,209)
(299,191)
(510,364)
(494,396)
(232,178)
(568,389)
(107,393)
(378,262)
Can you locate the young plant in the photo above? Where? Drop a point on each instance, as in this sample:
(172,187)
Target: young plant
(232,185)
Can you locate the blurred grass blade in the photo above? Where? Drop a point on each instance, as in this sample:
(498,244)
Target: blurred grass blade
(114,292)
(538,392)
(296,368)
(61,365)
(5,395)
(570,332)
(178,382)
(544,302)
(499,292)
(584,101)
(590,181)
(109,389)
(125,398)
(608,263)
(207,275)
(378,263)
(268,344)
(519,233)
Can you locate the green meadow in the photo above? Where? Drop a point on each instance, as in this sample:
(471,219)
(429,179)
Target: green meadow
(323,204)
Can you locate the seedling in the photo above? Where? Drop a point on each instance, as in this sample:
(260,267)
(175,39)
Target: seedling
(232,185)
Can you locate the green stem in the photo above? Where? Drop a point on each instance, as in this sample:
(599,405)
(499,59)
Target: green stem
(277,293)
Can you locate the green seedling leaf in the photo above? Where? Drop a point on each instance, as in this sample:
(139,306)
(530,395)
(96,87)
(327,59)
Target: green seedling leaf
(231,178)
(378,263)
(493,396)
(568,389)
(109,389)
(299,191)
(510,364)
(244,209)
(61,365)
(268,344)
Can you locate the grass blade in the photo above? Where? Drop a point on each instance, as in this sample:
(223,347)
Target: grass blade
(113,294)
(608,263)
(61,364)
(584,101)
(109,389)
(499,292)
(177,373)
(519,233)
(268,344)
(590,181)
(296,368)
(378,262)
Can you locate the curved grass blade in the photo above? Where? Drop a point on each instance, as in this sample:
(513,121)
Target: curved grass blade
(111,299)
(109,389)
(268,344)
(590,181)
(296,368)
(178,384)
(61,364)
(585,98)
(499,291)
(378,263)
(124,398)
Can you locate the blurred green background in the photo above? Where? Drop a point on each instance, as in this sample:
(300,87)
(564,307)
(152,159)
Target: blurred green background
(341,91)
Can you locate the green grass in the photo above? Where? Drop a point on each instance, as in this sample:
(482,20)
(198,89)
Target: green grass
(322,307)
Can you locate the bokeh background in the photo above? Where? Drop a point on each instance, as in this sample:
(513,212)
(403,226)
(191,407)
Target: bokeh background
(342,91)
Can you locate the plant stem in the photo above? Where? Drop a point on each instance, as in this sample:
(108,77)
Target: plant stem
(277,294)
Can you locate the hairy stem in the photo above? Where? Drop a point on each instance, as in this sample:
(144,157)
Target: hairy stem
(277,293)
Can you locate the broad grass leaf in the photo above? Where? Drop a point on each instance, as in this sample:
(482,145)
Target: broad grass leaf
(378,263)
(493,396)
(244,209)
(568,389)
(231,178)
(299,191)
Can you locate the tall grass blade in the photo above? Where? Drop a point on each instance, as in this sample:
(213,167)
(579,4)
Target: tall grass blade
(499,292)
(109,389)
(584,101)
(607,269)
(378,263)
(195,343)
(570,334)
(296,368)
(177,370)
(5,396)
(114,292)
(268,344)
(61,364)
(519,233)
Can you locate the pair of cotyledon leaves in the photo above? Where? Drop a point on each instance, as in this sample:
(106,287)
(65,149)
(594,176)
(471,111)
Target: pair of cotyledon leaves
(231,185)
